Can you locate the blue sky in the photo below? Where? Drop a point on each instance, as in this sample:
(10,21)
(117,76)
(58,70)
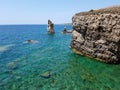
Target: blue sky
(39,11)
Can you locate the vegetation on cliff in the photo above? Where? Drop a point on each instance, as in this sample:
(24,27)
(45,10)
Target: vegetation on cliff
(108,10)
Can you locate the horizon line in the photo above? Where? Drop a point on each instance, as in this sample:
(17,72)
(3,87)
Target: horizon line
(38,24)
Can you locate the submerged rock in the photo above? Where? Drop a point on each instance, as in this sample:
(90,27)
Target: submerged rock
(31,41)
(12,65)
(97,34)
(5,47)
(46,74)
(50,27)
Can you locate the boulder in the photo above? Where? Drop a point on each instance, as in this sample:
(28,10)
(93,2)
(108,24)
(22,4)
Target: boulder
(12,65)
(64,30)
(46,74)
(30,41)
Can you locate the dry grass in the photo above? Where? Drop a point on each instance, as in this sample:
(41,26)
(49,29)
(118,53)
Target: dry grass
(108,10)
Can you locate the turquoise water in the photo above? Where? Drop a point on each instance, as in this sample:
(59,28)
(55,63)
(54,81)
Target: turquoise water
(49,63)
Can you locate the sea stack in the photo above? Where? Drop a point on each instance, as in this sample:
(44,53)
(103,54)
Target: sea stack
(50,28)
(96,34)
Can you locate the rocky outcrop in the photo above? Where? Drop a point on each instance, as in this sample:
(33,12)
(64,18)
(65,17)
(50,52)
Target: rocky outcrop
(64,31)
(50,28)
(97,34)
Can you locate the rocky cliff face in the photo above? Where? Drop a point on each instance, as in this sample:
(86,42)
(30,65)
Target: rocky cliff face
(50,27)
(97,34)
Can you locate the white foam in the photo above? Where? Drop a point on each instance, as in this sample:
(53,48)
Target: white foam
(5,47)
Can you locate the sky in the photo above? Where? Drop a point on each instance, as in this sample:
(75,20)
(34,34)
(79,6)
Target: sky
(39,11)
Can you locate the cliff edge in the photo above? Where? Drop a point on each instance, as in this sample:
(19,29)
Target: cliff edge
(96,34)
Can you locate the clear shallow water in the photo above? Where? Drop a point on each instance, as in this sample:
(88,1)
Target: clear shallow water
(21,64)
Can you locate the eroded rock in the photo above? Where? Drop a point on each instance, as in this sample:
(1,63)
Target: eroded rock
(50,28)
(97,34)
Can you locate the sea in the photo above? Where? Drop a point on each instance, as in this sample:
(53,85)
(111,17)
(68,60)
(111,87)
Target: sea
(48,62)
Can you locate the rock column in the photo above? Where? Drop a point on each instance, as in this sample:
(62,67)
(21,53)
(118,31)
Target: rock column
(50,28)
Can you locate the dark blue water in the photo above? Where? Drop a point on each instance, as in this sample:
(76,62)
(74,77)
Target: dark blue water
(49,63)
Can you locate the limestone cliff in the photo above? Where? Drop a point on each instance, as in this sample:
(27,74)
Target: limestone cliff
(96,34)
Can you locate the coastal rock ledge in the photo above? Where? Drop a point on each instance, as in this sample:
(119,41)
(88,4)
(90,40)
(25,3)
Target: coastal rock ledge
(96,34)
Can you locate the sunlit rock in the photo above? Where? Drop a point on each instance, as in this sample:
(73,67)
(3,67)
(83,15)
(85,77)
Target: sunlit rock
(97,34)
(50,27)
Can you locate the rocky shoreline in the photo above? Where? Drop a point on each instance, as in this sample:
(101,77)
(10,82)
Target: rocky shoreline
(96,34)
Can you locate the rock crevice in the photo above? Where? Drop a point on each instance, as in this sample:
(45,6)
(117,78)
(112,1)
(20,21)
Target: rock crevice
(97,34)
